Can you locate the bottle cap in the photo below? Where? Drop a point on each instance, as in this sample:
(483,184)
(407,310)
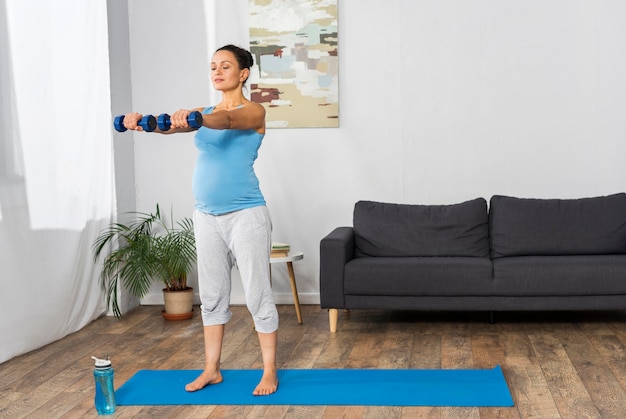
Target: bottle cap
(102,363)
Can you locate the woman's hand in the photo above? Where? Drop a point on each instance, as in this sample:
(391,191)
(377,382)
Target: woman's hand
(131,121)
(179,118)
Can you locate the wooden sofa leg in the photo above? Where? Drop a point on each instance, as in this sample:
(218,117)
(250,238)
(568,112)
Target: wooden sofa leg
(332,318)
(492,317)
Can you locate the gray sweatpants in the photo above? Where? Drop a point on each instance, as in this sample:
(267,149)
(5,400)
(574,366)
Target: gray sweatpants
(243,237)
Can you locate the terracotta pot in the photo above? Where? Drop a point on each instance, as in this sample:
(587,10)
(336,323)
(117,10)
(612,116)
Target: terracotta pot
(178,304)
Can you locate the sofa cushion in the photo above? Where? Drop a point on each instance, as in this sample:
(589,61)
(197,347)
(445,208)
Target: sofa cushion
(383,229)
(586,226)
(560,275)
(419,276)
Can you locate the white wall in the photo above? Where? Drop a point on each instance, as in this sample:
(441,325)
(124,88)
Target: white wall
(440,102)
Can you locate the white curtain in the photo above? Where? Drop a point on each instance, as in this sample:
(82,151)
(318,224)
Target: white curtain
(56,174)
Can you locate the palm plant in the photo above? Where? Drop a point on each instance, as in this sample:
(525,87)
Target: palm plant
(145,250)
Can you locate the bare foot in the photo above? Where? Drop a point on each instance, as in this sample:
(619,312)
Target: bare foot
(267,385)
(204,379)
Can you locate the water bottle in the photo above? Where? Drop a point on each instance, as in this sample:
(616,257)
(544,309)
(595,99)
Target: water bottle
(105,394)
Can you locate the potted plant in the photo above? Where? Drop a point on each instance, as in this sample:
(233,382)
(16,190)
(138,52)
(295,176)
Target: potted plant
(145,250)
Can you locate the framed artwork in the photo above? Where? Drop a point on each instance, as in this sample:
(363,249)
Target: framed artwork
(295,75)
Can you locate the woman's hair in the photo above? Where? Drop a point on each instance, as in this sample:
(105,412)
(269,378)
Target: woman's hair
(243,56)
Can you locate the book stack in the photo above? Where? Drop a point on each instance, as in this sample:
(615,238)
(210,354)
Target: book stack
(280,250)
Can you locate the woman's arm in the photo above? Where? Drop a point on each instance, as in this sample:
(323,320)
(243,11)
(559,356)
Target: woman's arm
(250,116)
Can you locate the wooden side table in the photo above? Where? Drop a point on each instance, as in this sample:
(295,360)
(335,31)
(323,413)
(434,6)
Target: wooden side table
(289,259)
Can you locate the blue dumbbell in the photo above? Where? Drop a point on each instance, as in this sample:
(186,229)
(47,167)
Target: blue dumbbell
(118,123)
(163,122)
(148,123)
(194,120)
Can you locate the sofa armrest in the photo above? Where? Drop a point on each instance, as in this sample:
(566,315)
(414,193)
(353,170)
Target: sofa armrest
(336,249)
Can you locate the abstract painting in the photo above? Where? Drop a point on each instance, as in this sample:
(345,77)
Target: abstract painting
(295,49)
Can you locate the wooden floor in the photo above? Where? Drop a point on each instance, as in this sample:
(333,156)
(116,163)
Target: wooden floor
(557,365)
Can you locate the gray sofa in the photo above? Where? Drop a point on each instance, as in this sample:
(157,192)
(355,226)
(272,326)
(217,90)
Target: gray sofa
(520,254)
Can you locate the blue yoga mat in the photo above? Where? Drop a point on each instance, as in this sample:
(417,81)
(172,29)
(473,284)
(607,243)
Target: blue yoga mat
(476,388)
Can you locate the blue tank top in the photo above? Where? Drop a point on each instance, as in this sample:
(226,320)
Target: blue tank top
(224,180)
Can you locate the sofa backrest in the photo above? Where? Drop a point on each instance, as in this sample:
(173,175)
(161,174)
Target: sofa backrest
(586,226)
(383,229)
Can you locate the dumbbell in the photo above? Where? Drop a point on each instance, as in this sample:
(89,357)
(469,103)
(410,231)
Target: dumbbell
(194,120)
(148,123)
